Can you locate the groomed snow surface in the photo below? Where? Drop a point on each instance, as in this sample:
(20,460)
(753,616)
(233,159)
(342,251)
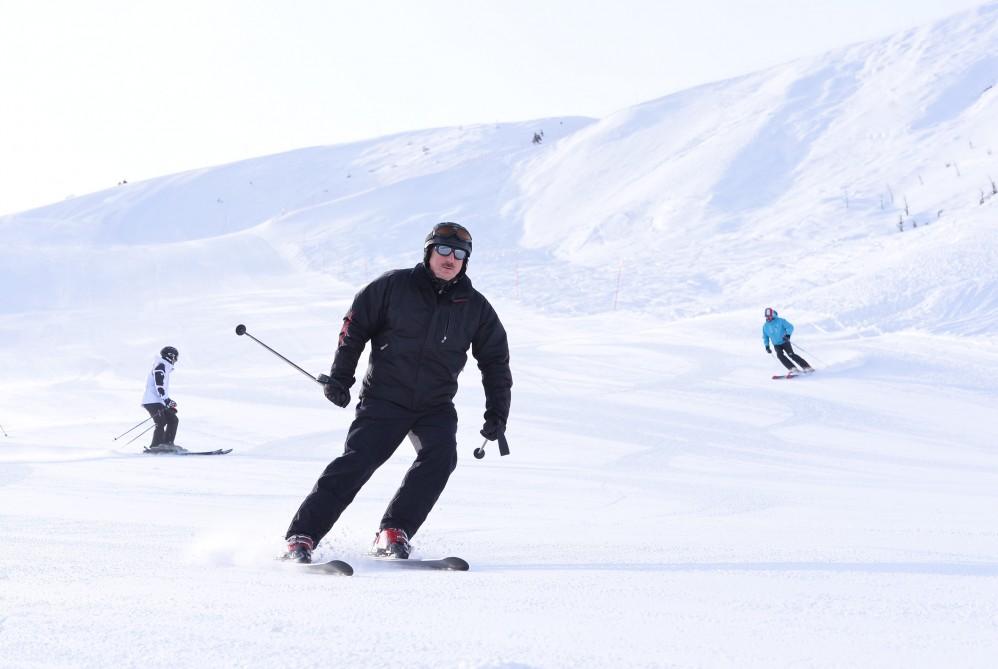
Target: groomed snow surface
(666,503)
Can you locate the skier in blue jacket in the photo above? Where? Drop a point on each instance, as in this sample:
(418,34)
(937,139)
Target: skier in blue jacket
(778,330)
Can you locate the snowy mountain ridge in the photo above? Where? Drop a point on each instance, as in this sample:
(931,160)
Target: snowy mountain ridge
(780,186)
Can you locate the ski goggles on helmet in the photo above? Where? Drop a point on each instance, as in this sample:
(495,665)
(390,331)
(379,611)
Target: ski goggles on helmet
(452,230)
(445,250)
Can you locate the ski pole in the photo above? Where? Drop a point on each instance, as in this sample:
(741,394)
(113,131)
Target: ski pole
(480,451)
(808,353)
(132,428)
(140,434)
(503,447)
(241,330)
(4,431)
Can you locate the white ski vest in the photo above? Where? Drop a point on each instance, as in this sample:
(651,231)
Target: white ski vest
(156,393)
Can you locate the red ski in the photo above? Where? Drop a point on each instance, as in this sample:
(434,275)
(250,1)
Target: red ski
(790,375)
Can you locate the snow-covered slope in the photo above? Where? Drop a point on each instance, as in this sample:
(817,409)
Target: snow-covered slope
(788,185)
(785,186)
(665,504)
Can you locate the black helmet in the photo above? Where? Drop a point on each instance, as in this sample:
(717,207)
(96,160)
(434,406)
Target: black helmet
(170,354)
(451,234)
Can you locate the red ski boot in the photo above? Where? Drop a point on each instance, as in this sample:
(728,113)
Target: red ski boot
(391,542)
(300,549)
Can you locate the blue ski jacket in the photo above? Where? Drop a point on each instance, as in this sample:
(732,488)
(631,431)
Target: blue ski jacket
(776,330)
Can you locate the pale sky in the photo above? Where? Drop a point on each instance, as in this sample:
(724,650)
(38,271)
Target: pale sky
(93,92)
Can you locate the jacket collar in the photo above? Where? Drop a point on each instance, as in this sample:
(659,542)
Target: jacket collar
(460,283)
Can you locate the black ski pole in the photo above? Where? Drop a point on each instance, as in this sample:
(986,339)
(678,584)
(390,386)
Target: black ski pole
(503,447)
(140,434)
(4,431)
(241,330)
(132,428)
(480,451)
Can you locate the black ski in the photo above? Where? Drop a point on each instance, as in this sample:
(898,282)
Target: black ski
(336,567)
(220,451)
(441,564)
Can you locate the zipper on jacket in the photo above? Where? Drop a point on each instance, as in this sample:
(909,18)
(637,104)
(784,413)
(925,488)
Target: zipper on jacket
(446,327)
(422,349)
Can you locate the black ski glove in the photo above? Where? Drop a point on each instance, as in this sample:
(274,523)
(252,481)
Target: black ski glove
(769,350)
(336,392)
(786,338)
(493,428)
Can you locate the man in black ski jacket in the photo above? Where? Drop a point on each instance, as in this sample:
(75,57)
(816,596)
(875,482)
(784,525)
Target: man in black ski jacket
(421,323)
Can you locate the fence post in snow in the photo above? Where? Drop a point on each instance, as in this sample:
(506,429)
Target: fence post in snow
(616,293)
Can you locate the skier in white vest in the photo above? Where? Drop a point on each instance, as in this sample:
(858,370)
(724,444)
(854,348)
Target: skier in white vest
(159,405)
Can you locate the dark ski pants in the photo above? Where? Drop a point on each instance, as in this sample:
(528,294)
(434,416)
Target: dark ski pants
(166,424)
(375,434)
(785,349)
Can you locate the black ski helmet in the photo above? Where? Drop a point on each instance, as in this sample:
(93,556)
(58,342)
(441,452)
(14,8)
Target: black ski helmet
(169,354)
(449,234)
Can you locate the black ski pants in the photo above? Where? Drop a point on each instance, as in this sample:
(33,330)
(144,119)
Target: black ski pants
(375,434)
(785,349)
(166,424)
